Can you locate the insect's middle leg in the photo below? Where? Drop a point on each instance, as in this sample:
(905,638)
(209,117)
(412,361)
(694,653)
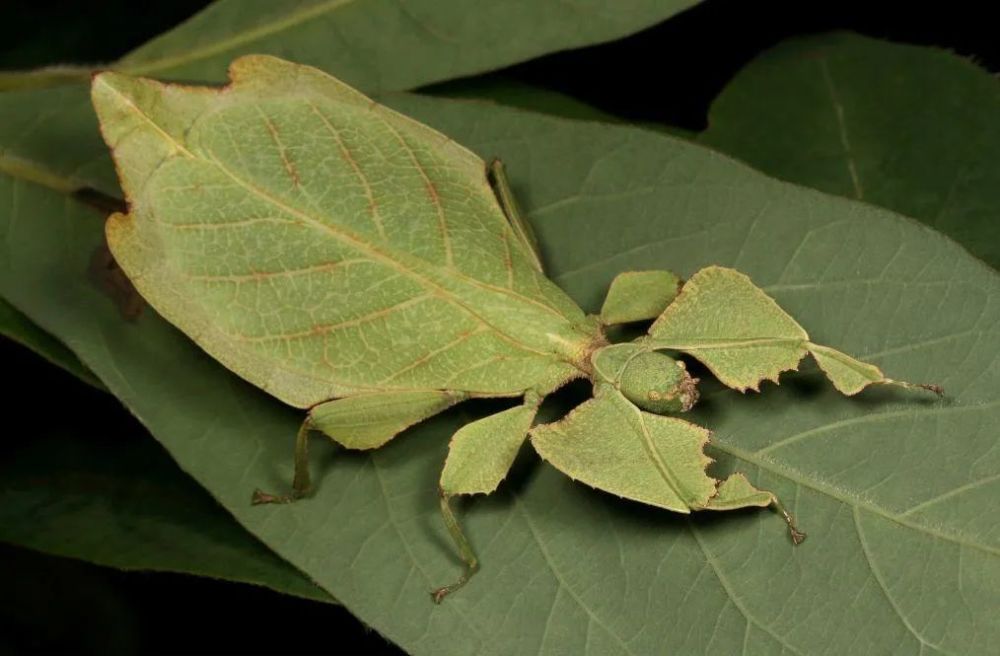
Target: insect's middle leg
(479,457)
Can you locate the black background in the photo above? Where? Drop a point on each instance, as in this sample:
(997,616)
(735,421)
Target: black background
(669,73)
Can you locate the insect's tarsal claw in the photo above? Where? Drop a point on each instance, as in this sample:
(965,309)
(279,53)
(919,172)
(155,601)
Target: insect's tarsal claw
(260,497)
(438,595)
(937,389)
(798,537)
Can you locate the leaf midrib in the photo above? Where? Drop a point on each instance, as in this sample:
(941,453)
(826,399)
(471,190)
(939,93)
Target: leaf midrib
(831,491)
(291,20)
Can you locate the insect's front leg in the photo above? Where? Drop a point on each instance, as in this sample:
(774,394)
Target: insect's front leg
(737,492)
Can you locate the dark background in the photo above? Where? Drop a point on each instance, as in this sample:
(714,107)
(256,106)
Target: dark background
(668,74)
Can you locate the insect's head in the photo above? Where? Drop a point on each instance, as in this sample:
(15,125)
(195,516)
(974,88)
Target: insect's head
(649,379)
(658,383)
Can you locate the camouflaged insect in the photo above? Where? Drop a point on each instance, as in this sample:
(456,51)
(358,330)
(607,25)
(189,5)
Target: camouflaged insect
(357,264)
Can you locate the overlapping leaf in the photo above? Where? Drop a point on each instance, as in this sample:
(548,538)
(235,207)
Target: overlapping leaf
(17,327)
(429,40)
(909,128)
(903,551)
(127,505)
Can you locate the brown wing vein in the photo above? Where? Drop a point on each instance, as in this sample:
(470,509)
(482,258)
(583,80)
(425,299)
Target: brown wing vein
(255,276)
(427,357)
(369,249)
(432,193)
(349,158)
(323,329)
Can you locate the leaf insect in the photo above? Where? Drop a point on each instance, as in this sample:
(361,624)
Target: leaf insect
(359,265)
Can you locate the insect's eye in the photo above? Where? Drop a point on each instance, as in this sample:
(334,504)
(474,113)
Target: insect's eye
(658,383)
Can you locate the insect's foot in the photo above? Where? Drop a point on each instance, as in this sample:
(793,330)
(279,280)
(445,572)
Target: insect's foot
(937,389)
(261,497)
(442,592)
(437,596)
(798,537)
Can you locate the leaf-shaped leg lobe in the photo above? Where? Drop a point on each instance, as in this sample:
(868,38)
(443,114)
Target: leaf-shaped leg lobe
(365,421)
(612,445)
(741,334)
(639,296)
(609,444)
(737,492)
(479,457)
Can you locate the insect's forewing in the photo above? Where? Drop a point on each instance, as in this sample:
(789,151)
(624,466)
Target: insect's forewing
(320,244)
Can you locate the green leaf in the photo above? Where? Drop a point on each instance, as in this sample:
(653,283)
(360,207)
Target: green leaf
(15,326)
(896,492)
(914,129)
(496,88)
(430,40)
(125,504)
(500,89)
(49,137)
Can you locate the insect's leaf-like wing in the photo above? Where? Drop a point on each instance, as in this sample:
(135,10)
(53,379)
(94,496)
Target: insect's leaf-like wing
(734,328)
(610,444)
(320,244)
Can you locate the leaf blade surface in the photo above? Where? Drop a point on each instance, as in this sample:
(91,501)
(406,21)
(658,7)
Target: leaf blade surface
(613,577)
(905,127)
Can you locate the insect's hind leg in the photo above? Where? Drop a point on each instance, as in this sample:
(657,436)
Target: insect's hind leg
(798,537)
(464,548)
(301,483)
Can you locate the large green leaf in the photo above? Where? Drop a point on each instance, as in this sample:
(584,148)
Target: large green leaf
(17,327)
(914,129)
(904,548)
(501,89)
(428,40)
(49,137)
